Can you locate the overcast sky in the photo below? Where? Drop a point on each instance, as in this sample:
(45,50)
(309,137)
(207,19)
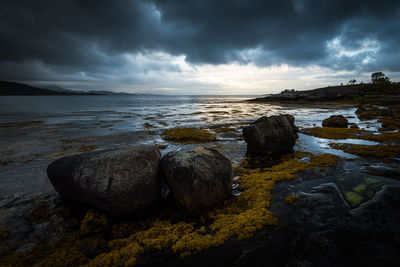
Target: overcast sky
(198,47)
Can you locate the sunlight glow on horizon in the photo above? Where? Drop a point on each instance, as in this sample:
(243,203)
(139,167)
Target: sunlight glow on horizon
(162,73)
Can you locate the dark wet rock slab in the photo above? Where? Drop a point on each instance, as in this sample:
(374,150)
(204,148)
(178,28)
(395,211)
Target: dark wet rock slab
(320,229)
(390,170)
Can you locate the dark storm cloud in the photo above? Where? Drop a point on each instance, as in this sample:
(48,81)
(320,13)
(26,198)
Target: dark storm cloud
(70,37)
(73,32)
(294,32)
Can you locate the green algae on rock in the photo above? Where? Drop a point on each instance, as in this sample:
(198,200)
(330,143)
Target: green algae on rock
(353,198)
(360,188)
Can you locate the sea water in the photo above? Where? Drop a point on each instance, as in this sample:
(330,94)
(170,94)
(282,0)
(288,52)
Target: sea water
(35,130)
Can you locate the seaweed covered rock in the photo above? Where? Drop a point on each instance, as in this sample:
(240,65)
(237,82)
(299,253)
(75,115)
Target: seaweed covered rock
(337,121)
(199,179)
(270,135)
(118,181)
(188,135)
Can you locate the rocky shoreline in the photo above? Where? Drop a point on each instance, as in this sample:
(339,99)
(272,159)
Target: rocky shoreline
(295,208)
(319,229)
(321,94)
(129,182)
(366,93)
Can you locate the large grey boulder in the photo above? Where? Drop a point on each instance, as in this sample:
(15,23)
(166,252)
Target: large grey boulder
(199,179)
(119,181)
(270,135)
(337,121)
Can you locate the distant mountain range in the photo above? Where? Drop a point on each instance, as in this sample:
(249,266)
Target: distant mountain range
(13,88)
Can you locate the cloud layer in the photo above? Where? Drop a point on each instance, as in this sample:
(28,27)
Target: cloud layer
(127,41)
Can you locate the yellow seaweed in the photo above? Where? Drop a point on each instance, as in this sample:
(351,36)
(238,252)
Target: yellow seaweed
(120,244)
(187,135)
(369,151)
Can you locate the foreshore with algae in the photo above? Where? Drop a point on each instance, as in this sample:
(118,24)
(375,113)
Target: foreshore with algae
(119,244)
(82,236)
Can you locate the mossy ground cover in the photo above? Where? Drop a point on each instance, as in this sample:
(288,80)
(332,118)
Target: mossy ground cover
(223,129)
(187,135)
(98,241)
(390,140)
(388,115)
(391,123)
(369,151)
